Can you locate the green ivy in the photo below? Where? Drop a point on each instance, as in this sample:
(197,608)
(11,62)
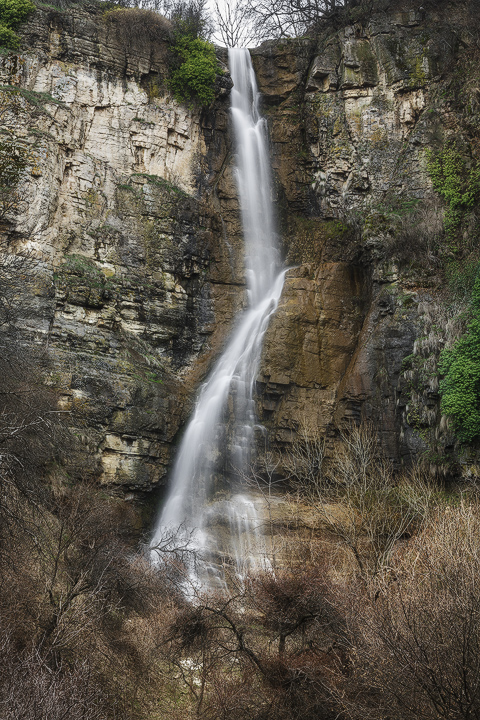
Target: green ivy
(460,388)
(461,274)
(12,13)
(458,184)
(193,80)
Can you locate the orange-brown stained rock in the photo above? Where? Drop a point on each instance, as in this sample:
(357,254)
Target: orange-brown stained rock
(310,344)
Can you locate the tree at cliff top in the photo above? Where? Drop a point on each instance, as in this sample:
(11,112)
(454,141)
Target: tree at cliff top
(238,22)
(12,13)
(243,22)
(231,27)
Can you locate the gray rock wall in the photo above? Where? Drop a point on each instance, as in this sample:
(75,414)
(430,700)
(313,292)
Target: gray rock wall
(131,214)
(353,114)
(133,219)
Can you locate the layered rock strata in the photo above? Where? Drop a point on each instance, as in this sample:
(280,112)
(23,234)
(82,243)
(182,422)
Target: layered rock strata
(353,114)
(131,213)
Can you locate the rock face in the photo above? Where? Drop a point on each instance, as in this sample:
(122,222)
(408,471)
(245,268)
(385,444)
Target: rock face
(132,214)
(352,115)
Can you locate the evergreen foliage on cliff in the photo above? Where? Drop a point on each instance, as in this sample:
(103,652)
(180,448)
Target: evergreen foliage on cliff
(458,184)
(12,14)
(460,388)
(193,78)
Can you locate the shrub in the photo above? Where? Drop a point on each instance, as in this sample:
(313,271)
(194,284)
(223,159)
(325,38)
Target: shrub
(461,275)
(136,26)
(12,13)
(418,235)
(8,38)
(193,80)
(417,651)
(460,388)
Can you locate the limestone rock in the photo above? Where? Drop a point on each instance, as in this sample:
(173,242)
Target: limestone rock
(351,117)
(132,214)
(131,210)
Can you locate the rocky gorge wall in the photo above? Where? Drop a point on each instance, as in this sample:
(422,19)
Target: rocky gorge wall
(353,116)
(132,215)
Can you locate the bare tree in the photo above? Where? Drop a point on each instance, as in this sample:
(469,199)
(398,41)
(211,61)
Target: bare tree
(231,20)
(357,496)
(288,18)
(417,646)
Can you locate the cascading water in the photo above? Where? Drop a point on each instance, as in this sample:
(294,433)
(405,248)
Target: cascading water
(226,530)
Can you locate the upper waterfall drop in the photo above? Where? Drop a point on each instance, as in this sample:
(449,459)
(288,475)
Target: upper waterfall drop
(253,177)
(214,444)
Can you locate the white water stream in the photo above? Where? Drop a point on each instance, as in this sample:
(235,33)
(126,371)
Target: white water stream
(227,530)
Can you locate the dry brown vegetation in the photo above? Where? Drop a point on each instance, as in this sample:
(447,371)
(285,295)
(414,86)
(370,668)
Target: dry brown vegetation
(136,27)
(372,612)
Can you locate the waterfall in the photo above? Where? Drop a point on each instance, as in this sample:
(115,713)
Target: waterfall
(226,530)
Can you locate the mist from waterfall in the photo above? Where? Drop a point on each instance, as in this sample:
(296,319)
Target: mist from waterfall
(225,528)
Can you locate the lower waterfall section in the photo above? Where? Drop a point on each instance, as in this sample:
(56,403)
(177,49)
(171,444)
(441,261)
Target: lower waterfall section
(207,507)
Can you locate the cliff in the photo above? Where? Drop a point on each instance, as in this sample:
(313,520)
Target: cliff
(356,115)
(132,216)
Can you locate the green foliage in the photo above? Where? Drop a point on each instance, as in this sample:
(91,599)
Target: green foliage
(461,275)
(456,182)
(8,38)
(12,13)
(460,388)
(193,78)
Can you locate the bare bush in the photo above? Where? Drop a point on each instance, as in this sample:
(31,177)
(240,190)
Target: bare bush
(419,234)
(304,463)
(276,635)
(136,26)
(76,597)
(29,690)
(418,644)
(357,496)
